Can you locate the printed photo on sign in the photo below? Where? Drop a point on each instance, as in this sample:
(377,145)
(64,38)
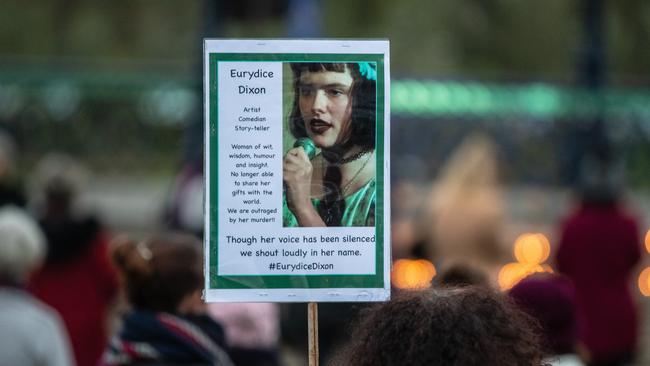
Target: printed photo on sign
(329,173)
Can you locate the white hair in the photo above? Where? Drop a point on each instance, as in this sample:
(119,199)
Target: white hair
(22,244)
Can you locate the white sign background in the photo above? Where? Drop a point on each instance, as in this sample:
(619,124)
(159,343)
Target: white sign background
(249,236)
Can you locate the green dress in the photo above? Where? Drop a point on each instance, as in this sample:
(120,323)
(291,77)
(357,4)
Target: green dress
(359,208)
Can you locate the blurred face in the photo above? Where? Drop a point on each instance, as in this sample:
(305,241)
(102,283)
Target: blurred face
(325,104)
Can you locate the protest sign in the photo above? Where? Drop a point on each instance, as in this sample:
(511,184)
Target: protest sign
(297,202)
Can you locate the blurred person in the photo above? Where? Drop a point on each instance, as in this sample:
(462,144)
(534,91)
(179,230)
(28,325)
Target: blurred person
(31,333)
(252,331)
(334,106)
(451,326)
(11,192)
(184,208)
(77,278)
(550,299)
(167,322)
(465,216)
(460,275)
(598,250)
(406,233)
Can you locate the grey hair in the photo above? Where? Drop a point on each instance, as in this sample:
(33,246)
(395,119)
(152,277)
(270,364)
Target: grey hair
(22,245)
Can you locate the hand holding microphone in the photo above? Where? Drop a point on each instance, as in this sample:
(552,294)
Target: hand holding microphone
(297,173)
(308,145)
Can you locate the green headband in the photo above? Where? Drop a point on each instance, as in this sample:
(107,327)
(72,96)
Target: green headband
(368,70)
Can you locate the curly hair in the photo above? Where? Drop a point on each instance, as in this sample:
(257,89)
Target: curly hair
(451,327)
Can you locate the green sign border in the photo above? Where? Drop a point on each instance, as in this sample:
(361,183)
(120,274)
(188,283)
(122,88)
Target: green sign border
(294,281)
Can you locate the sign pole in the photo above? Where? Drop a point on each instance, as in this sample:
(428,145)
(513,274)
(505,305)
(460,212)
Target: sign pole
(312,330)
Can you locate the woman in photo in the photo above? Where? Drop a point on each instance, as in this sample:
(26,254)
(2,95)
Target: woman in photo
(333,111)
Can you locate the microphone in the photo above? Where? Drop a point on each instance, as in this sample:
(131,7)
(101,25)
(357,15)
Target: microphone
(308,145)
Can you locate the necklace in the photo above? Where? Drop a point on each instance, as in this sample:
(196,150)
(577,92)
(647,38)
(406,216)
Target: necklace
(353,157)
(349,183)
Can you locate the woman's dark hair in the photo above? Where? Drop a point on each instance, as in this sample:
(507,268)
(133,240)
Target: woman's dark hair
(364,95)
(452,327)
(159,272)
(364,102)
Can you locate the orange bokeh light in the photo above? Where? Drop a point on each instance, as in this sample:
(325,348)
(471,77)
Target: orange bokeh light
(532,248)
(512,273)
(412,274)
(644,282)
(647,241)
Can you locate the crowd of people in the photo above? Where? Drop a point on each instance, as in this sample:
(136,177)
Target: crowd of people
(71,293)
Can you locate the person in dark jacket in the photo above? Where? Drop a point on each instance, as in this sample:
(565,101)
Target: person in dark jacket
(168,322)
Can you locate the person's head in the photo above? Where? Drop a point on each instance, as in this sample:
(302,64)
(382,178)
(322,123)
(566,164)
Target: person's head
(551,300)
(463,326)
(601,179)
(161,272)
(334,104)
(461,275)
(58,180)
(22,245)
